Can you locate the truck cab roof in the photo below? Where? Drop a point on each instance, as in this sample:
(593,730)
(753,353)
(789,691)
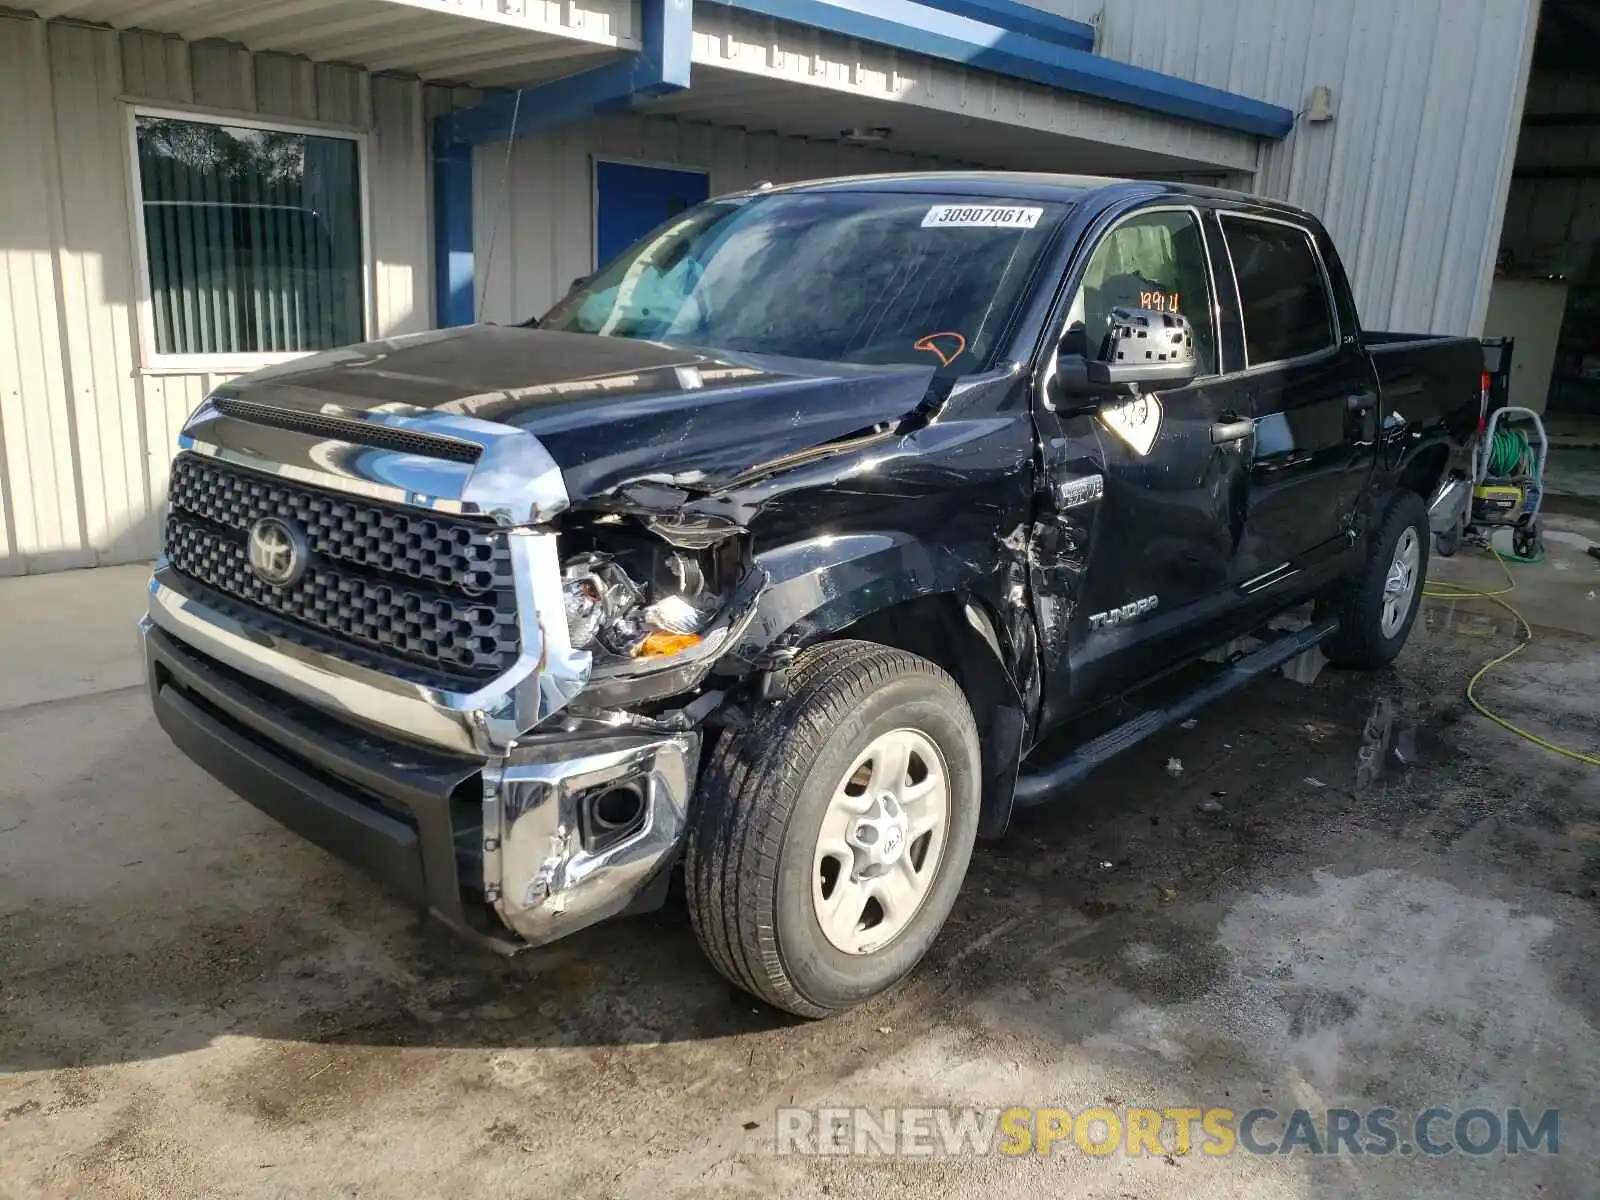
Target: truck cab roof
(1031,185)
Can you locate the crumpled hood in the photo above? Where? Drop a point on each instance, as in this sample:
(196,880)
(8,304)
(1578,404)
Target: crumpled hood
(611,411)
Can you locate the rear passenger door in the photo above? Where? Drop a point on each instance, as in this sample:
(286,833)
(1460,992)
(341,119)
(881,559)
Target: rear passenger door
(1311,391)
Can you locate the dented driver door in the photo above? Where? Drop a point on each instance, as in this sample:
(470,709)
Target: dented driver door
(1143,499)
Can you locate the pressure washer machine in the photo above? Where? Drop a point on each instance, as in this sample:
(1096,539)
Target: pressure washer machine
(1507,479)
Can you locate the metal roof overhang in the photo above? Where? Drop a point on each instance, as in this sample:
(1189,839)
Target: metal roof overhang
(1071,135)
(769,75)
(491,43)
(944,84)
(989,45)
(482,43)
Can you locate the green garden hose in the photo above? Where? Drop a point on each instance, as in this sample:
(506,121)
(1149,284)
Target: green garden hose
(1509,454)
(1511,457)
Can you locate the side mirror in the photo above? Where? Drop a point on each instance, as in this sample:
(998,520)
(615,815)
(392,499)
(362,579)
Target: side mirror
(1144,347)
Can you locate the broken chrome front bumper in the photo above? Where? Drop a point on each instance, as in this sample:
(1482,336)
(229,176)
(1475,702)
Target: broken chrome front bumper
(488,846)
(533,864)
(543,874)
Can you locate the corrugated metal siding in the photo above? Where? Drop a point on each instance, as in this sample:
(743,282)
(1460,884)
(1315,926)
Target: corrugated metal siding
(38,490)
(85,434)
(92,258)
(535,236)
(398,171)
(1412,175)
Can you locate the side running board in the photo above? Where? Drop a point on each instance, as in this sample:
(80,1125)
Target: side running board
(1037,787)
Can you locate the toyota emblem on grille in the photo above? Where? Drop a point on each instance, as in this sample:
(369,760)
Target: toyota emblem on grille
(278,552)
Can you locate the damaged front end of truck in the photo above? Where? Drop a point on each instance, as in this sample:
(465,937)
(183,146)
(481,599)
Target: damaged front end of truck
(585,814)
(474,638)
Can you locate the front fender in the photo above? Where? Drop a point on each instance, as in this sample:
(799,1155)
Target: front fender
(872,582)
(818,586)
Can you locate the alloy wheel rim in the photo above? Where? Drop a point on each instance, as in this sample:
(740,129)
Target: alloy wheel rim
(1400,583)
(881,841)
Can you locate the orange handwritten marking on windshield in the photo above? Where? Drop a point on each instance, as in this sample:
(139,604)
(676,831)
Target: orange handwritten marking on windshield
(931,344)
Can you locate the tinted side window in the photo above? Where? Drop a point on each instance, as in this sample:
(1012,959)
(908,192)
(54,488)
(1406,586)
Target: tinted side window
(1152,260)
(1283,298)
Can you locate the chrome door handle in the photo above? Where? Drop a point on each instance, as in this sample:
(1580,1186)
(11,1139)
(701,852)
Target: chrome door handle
(1231,431)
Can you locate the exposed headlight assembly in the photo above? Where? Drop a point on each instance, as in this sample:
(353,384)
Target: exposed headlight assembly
(605,608)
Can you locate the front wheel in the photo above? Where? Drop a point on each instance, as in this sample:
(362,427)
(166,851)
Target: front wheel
(1378,604)
(834,831)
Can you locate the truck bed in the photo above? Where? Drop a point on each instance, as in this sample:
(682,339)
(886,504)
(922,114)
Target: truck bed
(1382,340)
(1432,380)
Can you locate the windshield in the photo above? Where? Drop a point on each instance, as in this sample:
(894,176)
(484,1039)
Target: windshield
(859,277)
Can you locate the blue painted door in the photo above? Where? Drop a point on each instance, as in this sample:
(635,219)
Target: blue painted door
(630,201)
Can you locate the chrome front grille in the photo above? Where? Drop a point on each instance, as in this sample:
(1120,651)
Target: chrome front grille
(429,592)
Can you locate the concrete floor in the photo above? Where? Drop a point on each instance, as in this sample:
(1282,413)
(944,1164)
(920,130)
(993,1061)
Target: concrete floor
(1572,430)
(70,634)
(1391,902)
(1573,472)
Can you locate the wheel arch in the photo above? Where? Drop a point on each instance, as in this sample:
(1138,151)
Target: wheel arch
(1422,470)
(925,597)
(958,634)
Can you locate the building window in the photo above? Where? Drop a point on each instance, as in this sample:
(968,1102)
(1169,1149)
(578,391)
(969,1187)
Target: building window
(252,237)
(1283,297)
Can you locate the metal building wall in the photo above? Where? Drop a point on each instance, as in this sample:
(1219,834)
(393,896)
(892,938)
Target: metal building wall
(1411,176)
(533,228)
(86,433)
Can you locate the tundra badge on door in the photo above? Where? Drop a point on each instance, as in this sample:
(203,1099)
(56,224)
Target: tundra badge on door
(1127,612)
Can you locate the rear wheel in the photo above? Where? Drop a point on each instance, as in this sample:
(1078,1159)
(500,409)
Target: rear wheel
(1378,604)
(1446,544)
(1526,541)
(833,833)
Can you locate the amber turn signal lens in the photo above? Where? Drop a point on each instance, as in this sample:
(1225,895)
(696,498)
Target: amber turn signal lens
(659,644)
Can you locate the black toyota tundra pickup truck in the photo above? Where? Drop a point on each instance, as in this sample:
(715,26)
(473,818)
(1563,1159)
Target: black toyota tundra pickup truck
(775,549)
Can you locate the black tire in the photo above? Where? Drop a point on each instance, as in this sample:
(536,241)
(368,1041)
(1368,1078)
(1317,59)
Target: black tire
(1359,603)
(761,801)
(1525,539)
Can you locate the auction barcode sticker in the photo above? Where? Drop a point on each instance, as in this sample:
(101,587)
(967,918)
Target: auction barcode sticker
(984,216)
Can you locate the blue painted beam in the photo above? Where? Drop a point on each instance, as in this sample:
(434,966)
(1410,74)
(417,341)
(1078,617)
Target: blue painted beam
(919,29)
(661,66)
(452,233)
(668,43)
(1024,19)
